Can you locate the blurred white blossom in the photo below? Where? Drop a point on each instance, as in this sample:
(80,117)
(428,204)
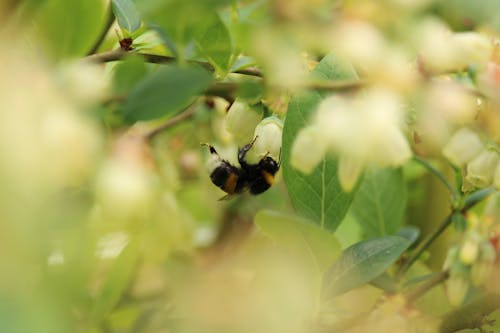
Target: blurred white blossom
(481,170)
(241,120)
(363,132)
(267,136)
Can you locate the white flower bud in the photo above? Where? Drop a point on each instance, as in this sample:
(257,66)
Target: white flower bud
(241,120)
(481,170)
(472,48)
(308,149)
(267,136)
(456,289)
(349,171)
(85,82)
(125,190)
(463,146)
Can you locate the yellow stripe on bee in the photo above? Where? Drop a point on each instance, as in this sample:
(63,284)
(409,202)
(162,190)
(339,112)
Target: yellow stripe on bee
(268,177)
(230,184)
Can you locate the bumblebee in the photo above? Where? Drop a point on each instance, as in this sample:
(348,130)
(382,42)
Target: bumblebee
(256,178)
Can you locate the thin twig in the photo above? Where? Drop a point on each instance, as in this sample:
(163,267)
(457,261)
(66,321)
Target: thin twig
(415,293)
(439,175)
(469,202)
(110,18)
(186,114)
(119,54)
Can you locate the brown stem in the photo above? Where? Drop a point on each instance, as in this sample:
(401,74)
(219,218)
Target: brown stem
(438,278)
(186,114)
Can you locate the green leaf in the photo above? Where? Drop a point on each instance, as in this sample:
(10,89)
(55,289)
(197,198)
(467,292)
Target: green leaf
(380,202)
(128,73)
(69,28)
(166,91)
(362,263)
(318,195)
(301,235)
(214,43)
(127,15)
(116,282)
(409,232)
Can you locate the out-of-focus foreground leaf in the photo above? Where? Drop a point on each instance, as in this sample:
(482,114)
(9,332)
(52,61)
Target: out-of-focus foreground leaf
(361,263)
(166,91)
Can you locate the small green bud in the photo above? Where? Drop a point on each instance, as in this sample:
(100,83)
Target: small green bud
(481,170)
(463,146)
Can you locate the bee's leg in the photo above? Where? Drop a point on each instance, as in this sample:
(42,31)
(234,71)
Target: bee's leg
(211,148)
(243,151)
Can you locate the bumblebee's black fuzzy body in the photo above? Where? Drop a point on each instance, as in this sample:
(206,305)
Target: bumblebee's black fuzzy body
(256,178)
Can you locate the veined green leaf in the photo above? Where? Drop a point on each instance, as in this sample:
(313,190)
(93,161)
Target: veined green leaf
(214,42)
(166,91)
(362,263)
(300,235)
(318,195)
(380,202)
(127,15)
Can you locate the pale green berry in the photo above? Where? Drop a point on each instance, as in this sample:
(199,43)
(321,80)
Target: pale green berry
(463,146)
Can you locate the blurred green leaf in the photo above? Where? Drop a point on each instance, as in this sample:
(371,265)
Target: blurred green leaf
(127,15)
(128,73)
(116,282)
(213,41)
(301,235)
(166,91)
(69,28)
(318,195)
(380,202)
(361,263)
(409,232)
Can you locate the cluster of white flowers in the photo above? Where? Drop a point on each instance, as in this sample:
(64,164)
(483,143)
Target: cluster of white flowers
(473,259)
(364,131)
(480,162)
(246,124)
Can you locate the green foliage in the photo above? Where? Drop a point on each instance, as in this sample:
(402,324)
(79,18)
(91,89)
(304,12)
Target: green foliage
(68,29)
(214,43)
(118,278)
(127,74)
(318,195)
(168,90)
(380,202)
(361,263)
(127,15)
(301,236)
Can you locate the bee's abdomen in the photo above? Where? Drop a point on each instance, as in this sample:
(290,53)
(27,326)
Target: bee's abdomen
(225,178)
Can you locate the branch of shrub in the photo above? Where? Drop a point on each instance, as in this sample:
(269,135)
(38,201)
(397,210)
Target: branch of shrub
(436,279)
(119,54)
(469,202)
